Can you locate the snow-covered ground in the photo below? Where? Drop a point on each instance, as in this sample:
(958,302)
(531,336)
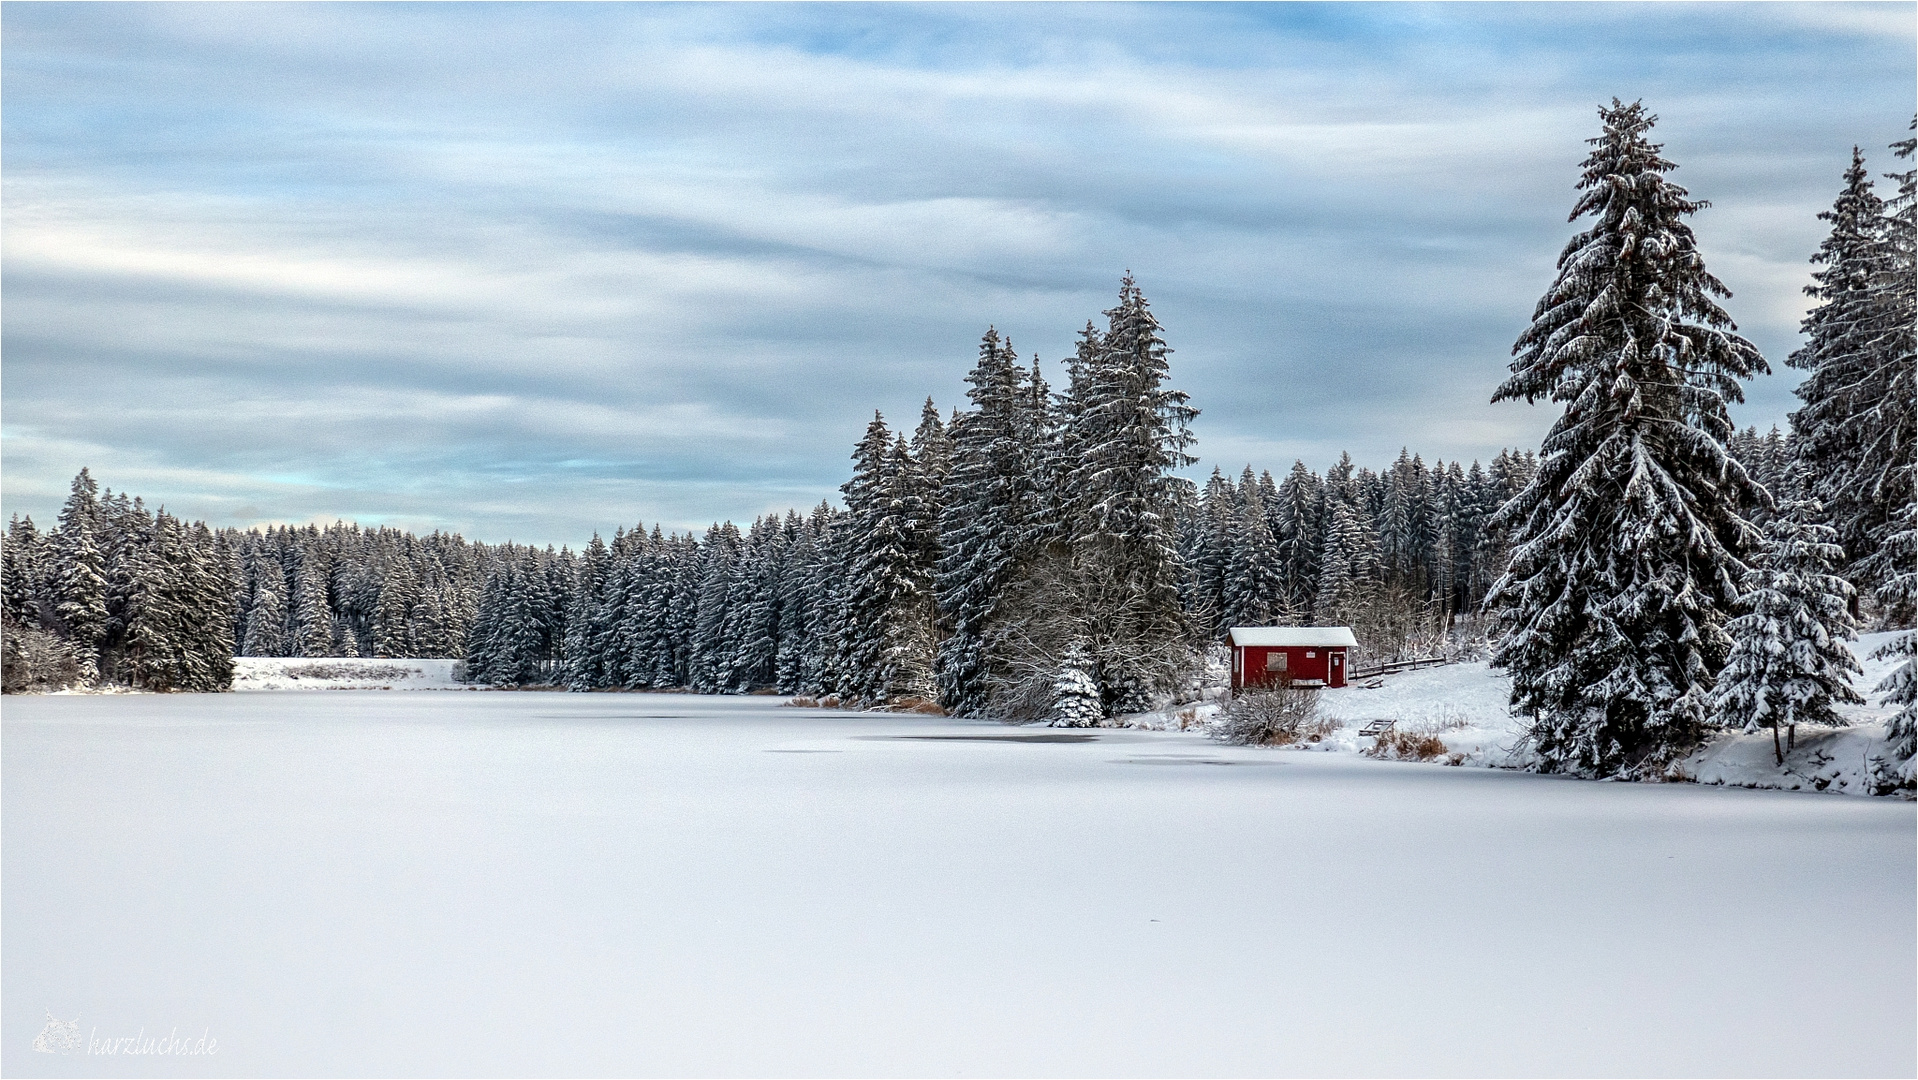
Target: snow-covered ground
(339,673)
(543,884)
(1464,706)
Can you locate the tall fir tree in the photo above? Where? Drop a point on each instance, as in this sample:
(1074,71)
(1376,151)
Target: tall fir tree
(399,594)
(1628,540)
(79,584)
(989,500)
(20,573)
(1253,591)
(1300,509)
(888,605)
(311,630)
(1855,430)
(1130,432)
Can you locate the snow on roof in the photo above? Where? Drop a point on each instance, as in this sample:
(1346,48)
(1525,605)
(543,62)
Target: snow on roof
(1330,637)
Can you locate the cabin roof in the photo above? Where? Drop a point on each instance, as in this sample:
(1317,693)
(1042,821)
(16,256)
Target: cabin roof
(1330,637)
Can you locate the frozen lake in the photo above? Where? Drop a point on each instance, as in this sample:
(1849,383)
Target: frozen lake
(497,883)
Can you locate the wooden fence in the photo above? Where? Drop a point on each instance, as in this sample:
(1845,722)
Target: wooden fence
(1399,665)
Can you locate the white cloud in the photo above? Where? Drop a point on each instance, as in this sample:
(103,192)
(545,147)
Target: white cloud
(514,265)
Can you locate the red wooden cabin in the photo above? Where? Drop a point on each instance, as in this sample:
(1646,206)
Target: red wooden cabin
(1309,655)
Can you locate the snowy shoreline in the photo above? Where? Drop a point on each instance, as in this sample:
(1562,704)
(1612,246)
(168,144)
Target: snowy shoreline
(254,673)
(1463,706)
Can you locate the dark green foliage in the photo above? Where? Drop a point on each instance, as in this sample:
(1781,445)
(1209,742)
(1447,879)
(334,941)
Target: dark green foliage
(1628,542)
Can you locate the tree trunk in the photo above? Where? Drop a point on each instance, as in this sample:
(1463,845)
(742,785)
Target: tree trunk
(1791,736)
(1780,754)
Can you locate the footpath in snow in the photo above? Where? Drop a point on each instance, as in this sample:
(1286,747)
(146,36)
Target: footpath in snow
(1464,707)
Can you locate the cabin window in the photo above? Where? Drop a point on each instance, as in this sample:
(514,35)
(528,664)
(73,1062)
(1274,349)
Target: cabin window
(1310,655)
(1275,661)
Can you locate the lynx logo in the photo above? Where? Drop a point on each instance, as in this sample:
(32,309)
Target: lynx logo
(59,1036)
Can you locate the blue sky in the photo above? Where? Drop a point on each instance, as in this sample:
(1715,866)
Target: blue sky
(531,271)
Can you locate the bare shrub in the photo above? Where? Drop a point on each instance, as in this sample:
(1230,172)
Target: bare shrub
(916,705)
(1406,746)
(1443,718)
(804,703)
(1316,727)
(32,659)
(1271,717)
(345,672)
(1066,614)
(1394,622)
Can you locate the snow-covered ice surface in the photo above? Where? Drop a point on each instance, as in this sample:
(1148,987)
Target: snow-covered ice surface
(342,673)
(570,884)
(1465,707)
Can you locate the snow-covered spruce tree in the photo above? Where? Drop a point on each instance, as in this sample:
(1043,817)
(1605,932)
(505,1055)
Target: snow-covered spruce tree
(1346,575)
(889,600)
(152,610)
(712,654)
(79,584)
(680,616)
(1789,663)
(585,662)
(399,594)
(311,630)
(1891,567)
(754,618)
(1253,589)
(1075,695)
(1472,543)
(821,668)
(20,573)
(1404,523)
(1855,430)
(1217,513)
(1300,509)
(646,569)
(929,469)
(989,500)
(627,628)
(345,641)
(482,647)
(1129,431)
(509,643)
(206,579)
(1900,688)
(795,606)
(1628,541)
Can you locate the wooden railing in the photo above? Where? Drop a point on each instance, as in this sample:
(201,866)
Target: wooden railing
(1399,665)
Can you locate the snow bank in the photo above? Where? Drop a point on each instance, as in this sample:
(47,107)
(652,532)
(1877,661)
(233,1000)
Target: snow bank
(342,673)
(1825,759)
(1464,706)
